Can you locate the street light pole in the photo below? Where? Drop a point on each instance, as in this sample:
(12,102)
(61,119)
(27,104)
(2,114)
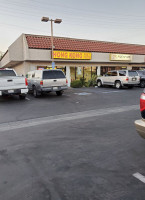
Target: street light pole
(57,21)
(52,41)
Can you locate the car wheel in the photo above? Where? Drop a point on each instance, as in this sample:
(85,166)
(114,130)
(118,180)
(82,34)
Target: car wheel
(22,96)
(35,92)
(99,83)
(142,84)
(59,93)
(117,84)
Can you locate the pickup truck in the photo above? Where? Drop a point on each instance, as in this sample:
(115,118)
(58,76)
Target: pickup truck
(11,84)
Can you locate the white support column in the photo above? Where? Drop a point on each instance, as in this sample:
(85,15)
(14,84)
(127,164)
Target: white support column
(99,71)
(129,67)
(68,75)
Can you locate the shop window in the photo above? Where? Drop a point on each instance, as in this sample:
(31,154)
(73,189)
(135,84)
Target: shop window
(87,73)
(114,73)
(94,71)
(82,72)
(135,68)
(104,70)
(41,67)
(62,68)
(79,72)
(72,73)
(108,74)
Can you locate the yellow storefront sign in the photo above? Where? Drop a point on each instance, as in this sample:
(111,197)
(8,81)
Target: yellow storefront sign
(120,57)
(71,55)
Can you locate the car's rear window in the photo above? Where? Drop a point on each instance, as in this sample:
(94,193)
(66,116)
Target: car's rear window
(141,72)
(7,73)
(132,73)
(53,74)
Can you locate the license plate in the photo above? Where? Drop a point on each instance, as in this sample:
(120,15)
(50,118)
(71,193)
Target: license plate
(55,88)
(10,91)
(134,79)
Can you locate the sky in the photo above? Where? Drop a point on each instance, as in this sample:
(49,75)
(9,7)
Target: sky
(104,20)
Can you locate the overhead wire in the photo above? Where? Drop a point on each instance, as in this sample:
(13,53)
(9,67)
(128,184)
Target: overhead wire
(99,18)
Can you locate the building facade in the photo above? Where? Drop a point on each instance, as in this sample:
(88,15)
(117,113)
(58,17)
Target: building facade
(77,58)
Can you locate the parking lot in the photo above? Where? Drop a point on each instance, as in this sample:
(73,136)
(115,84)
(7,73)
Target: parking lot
(82,145)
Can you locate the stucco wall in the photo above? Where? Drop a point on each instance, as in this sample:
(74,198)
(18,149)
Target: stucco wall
(5,59)
(20,69)
(16,50)
(105,57)
(39,54)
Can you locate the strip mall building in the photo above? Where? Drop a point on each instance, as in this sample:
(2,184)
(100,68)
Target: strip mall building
(76,57)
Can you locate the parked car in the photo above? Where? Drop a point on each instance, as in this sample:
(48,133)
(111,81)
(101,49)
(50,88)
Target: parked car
(12,84)
(141,73)
(45,81)
(140,124)
(119,78)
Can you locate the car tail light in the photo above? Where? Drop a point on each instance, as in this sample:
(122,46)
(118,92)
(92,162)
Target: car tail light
(26,82)
(127,78)
(142,105)
(41,82)
(66,81)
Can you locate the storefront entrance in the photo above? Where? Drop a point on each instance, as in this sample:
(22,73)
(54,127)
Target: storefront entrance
(82,72)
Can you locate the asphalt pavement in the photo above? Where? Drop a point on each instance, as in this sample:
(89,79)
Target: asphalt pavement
(80,146)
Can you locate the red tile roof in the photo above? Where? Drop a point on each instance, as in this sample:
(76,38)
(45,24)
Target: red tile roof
(69,44)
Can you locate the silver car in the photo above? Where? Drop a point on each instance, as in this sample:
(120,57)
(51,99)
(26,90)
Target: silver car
(45,81)
(119,78)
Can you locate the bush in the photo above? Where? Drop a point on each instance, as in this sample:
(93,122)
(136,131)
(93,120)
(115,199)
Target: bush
(76,84)
(82,81)
(92,81)
(86,84)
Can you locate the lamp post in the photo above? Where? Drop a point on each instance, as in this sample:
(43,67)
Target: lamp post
(57,21)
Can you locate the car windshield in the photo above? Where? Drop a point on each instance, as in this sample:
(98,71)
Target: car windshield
(53,74)
(132,73)
(7,73)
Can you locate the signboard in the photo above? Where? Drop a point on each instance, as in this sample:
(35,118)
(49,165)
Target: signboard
(53,65)
(120,57)
(71,55)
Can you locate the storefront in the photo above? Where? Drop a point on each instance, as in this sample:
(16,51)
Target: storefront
(75,72)
(75,57)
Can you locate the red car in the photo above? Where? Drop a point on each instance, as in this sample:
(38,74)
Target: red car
(140,124)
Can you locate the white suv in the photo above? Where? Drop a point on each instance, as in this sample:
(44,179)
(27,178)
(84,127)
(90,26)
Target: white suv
(119,78)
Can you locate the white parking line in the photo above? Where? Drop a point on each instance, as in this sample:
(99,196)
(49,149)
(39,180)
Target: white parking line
(65,117)
(139,177)
(27,99)
(82,93)
(112,91)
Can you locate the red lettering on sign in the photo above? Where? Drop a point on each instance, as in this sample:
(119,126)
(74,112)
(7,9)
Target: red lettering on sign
(62,54)
(54,54)
(58,54)
(66,55)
